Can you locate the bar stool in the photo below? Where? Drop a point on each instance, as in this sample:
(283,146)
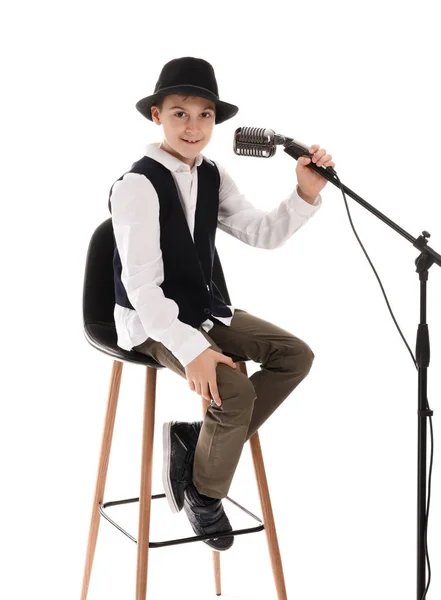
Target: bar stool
(99,330)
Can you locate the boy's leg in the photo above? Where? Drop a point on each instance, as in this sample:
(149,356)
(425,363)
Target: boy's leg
(285,359)
(224,427)
(246,402)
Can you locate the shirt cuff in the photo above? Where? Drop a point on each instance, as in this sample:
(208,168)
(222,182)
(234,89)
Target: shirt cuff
(303,208)
(191,348)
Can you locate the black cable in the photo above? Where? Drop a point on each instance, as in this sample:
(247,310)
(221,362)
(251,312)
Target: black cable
(427,402)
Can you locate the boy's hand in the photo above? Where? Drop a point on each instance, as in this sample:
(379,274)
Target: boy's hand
(310,182)
(201,373)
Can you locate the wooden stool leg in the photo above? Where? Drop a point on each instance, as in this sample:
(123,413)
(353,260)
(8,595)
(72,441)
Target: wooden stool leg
(268,518)
(103,464)
(216,554)
(217,572)
(145,496)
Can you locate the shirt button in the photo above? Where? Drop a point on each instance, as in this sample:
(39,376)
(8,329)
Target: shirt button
(207,311)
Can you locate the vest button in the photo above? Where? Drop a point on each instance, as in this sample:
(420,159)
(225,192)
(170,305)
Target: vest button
(207,311)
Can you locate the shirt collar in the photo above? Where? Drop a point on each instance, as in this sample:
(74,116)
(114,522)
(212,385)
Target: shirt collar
(168,160)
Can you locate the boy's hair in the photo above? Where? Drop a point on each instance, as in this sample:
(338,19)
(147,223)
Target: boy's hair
(160,102)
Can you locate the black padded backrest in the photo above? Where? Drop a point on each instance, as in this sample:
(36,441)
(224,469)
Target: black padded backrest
(98,287)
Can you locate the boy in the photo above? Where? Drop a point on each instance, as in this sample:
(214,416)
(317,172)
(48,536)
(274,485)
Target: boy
(167,299)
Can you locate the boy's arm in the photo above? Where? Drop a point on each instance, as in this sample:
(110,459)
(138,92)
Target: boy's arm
(135,219)
(255,227)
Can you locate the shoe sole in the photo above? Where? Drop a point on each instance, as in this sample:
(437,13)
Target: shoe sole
(166,449)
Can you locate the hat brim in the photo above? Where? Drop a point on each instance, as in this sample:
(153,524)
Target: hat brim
(224,110)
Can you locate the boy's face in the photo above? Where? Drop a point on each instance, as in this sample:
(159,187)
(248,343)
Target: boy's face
(189,119)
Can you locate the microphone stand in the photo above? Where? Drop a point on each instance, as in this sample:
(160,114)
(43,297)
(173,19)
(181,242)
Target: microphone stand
(423,263)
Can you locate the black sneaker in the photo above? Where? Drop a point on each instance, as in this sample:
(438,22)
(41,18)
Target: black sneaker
(179,445)
(206,516)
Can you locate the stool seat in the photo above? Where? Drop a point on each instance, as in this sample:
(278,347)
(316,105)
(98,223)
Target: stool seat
(102,336)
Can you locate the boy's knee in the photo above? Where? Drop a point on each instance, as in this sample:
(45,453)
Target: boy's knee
(299,356)
(246,390)
(235,386)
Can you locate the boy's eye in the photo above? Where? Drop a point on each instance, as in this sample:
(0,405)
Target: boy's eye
(182,113)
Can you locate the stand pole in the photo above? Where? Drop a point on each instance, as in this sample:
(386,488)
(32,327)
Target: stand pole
(422,356)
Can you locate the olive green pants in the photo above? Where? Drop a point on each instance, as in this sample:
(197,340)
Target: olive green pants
(246,401)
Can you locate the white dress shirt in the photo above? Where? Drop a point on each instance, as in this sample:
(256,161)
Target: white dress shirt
(135,219)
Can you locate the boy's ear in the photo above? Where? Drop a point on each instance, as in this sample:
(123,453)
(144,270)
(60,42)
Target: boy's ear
(155,115)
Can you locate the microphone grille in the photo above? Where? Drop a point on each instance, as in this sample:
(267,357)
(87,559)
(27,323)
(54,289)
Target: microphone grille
(254,141)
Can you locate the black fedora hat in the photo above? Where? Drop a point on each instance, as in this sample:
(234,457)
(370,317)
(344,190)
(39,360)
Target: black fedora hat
(188,76)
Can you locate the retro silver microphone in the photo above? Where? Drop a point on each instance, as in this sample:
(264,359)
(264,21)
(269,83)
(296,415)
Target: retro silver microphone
(256,141)
(261,142)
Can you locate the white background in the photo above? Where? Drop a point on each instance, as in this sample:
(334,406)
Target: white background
(341,452)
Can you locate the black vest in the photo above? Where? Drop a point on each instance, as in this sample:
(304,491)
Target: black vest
(188,265)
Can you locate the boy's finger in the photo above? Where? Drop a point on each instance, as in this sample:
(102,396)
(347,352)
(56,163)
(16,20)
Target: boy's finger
(206,392)
(318,155)
(215,393)
(324,159)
